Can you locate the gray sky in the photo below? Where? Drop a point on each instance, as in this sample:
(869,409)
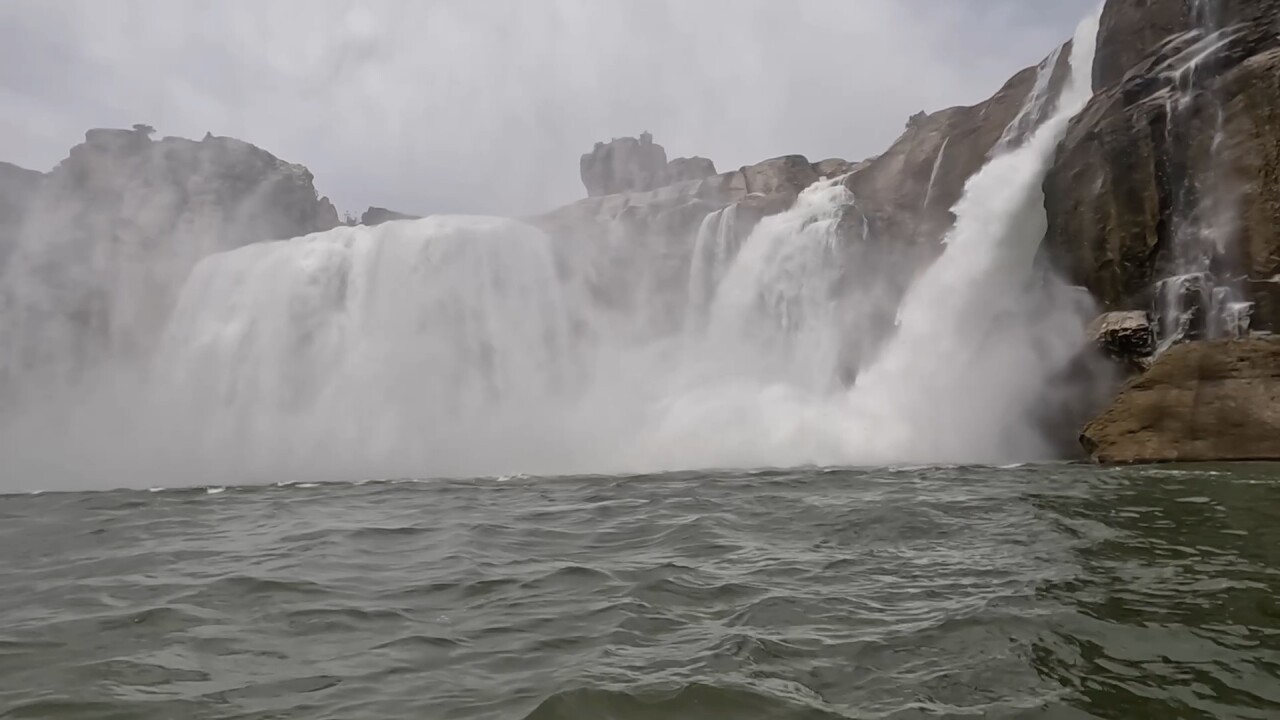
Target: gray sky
(486,105)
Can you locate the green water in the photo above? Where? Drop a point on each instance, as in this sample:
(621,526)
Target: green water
(1050,592)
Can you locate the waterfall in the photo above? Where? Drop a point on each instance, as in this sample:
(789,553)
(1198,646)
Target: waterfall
(1199,298)
(933,176)
(714,248)
(465,346)
(978,337)
(1033,108)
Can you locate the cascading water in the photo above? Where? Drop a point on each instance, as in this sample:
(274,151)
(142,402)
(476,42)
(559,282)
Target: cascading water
(1199,299)
(480,346)
(933,175)
(1033,110)
(978,339)
(713,250)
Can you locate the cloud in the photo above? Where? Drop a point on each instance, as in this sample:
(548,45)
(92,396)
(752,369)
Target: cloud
(460,106)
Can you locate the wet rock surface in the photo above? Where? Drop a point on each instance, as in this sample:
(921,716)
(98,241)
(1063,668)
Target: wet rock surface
(1200,401)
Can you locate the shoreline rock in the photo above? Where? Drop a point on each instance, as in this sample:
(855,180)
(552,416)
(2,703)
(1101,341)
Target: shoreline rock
(1200,402)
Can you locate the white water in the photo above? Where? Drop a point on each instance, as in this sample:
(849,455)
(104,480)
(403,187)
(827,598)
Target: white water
(978,339)
(1192,302)
(459,346)
(1033,108)
(933,175)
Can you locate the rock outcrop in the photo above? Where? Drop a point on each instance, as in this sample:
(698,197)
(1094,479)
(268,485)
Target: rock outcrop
(1126,337)
(1165,193)
(113,231)
(378,215)
(1200,401)
(640,205)
(909,190)
(1151,160)
(637,165)
(624,165)
(690,168)
(18,187)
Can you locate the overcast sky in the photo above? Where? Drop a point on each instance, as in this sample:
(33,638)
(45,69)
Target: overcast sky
(485,105)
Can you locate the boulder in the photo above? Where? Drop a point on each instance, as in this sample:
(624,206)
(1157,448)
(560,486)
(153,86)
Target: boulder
(1126,337)
(1200,401)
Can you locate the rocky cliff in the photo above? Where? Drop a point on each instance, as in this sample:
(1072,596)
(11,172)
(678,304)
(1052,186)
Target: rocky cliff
(110,234)
(637,165)
(1164,202)
(17,188)
(643,212)
(1177,155)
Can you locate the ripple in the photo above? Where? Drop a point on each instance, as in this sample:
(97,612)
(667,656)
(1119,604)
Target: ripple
(697,700)
(1054,591)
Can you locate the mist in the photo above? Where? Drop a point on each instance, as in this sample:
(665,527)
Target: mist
(485,107)
(183,312)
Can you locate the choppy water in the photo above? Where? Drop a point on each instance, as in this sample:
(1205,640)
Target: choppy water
(1053,592)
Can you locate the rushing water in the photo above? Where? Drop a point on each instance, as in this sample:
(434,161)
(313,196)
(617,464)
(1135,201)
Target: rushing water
(465,346)
(1048,592)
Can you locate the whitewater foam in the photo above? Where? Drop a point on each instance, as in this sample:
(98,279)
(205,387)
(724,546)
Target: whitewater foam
(470,346)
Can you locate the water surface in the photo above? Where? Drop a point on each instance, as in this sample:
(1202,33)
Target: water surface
(1040,592)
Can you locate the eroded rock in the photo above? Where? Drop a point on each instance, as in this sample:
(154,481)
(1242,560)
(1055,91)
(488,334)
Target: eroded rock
(1127,337)
(624,165)
(1200,401)
(1138,161)
(114,230)
(690,168)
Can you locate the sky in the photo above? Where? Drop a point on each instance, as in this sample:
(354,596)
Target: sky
(484,106)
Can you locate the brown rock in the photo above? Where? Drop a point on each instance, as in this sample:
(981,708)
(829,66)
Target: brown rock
(900,191)
(1130,31)
(1199,402)
(787,174)
(1126,337)
(1133,162)
(835,167)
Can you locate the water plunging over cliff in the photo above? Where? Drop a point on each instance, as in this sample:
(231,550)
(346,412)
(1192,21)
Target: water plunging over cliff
(979,334)
(483,346)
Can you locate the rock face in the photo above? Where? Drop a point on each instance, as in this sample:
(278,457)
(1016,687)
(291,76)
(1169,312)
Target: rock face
(910,189)
(1151,164)
(113,231)
(17,188)
(377,216)
(1201,401)
(637,165)
(639,204)
(685,169)
(624,165)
